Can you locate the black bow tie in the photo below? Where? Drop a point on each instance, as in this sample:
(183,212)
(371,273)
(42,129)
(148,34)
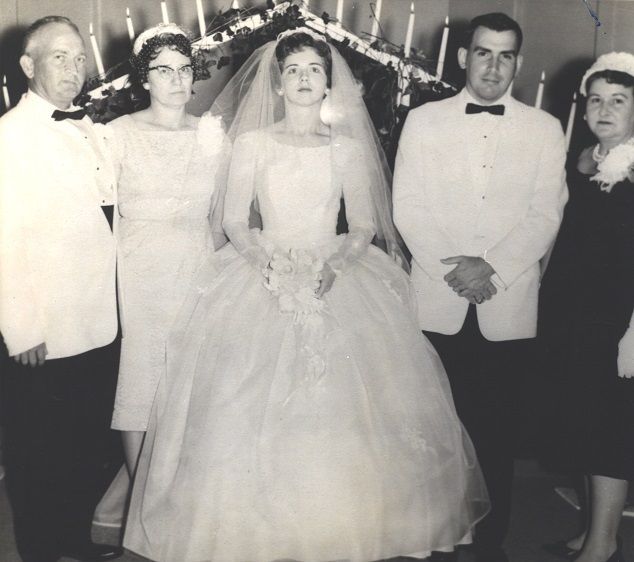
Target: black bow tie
(60,115)
(492,109)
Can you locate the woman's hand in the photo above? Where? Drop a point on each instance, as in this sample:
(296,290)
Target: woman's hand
(328,277)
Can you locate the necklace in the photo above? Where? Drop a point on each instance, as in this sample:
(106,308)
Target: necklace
(597,156)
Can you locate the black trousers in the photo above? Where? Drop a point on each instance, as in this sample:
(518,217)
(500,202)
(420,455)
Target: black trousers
(485,381)
(59,451)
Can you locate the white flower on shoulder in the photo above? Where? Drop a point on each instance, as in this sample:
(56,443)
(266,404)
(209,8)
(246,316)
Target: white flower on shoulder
(617,165)
(211,134)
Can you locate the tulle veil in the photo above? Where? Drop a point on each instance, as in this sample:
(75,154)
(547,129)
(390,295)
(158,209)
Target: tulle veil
(250,101)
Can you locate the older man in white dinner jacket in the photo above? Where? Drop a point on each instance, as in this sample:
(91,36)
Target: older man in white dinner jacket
(479,191)
(58,314)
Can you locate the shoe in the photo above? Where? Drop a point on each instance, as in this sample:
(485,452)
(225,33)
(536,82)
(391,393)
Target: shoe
(443,557)
(93,552)
(560,549)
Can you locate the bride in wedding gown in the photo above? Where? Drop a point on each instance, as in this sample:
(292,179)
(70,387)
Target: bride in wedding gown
(303,415)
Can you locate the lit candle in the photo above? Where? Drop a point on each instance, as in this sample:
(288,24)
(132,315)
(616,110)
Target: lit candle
(128,22)
(95,51)
(410,31)
(377,18)
(201,18)
(5,93)
(540,91)
(339,12)
(235,5)
(571,121)
(166,18)
(443,50)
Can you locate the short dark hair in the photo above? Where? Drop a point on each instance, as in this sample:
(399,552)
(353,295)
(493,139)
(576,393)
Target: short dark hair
(299,41)
(152,48)
(39,24)
(611,77)
(496,21)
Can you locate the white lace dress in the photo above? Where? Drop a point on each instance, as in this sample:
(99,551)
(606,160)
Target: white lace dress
(327,437)
(165,188)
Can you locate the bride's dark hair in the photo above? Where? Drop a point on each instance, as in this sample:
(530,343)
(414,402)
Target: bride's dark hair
(299,41)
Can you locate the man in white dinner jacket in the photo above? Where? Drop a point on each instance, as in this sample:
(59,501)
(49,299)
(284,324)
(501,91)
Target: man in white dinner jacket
(479,191)
(58,313)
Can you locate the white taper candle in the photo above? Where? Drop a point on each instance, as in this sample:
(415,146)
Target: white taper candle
(339,15)
(164,14)
(5,93)
(571,121)
(128,22)
(540,91)
(377,18)
(201,18)
(443,50)
(95,51)
(410,30)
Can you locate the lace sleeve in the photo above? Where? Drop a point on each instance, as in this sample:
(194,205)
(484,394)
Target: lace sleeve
(356,194)
(241,191)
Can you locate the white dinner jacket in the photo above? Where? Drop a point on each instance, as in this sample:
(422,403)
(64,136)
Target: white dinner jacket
(512,227)
(57,253)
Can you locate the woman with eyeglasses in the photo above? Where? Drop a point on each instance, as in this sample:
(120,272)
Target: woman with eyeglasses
(166,161)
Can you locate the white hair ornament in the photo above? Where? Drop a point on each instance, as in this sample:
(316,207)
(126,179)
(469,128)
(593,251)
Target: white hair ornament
(316,36)
(621,62)
(159,29)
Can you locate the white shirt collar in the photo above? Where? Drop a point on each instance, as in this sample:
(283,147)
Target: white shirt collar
(42,107)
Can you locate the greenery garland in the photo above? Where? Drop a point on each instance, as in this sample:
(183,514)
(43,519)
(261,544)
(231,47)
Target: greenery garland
(381,84)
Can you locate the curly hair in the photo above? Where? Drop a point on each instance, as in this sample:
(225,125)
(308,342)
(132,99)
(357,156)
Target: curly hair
(298,42)
(611,77)
(152,48)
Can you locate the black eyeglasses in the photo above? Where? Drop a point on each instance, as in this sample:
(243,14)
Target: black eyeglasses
(167,72)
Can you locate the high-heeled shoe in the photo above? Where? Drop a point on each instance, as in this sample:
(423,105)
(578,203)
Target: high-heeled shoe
(561,550)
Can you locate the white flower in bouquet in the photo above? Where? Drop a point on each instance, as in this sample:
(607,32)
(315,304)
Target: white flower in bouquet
(294,277)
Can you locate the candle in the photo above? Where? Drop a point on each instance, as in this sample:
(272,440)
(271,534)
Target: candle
(201,18)
(410,31)
(571,120)
(377,18)
(95,51)
(5,93)
(166,18)
(339,12)
(235,5)
(540,91)
(443,50)
(128,22)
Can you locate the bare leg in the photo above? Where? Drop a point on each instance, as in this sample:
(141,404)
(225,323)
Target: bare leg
(607,497)
(584,516)
(132,442)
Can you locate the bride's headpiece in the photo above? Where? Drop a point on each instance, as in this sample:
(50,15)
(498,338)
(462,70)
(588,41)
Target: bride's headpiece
(159,29)
(307,31)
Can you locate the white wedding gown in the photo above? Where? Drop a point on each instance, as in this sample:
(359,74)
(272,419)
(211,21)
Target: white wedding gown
(335,439)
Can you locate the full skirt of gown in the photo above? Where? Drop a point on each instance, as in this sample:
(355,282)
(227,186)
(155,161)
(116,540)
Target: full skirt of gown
(332,438)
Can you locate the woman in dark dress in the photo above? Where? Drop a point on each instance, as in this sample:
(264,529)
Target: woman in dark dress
(586,304)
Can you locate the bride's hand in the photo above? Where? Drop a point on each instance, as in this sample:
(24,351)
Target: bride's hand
(328,277)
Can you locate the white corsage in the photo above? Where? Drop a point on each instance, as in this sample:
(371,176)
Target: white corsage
(294,277)
(210,134)
(617,165)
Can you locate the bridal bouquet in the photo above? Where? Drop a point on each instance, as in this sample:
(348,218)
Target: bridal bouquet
(293,277)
